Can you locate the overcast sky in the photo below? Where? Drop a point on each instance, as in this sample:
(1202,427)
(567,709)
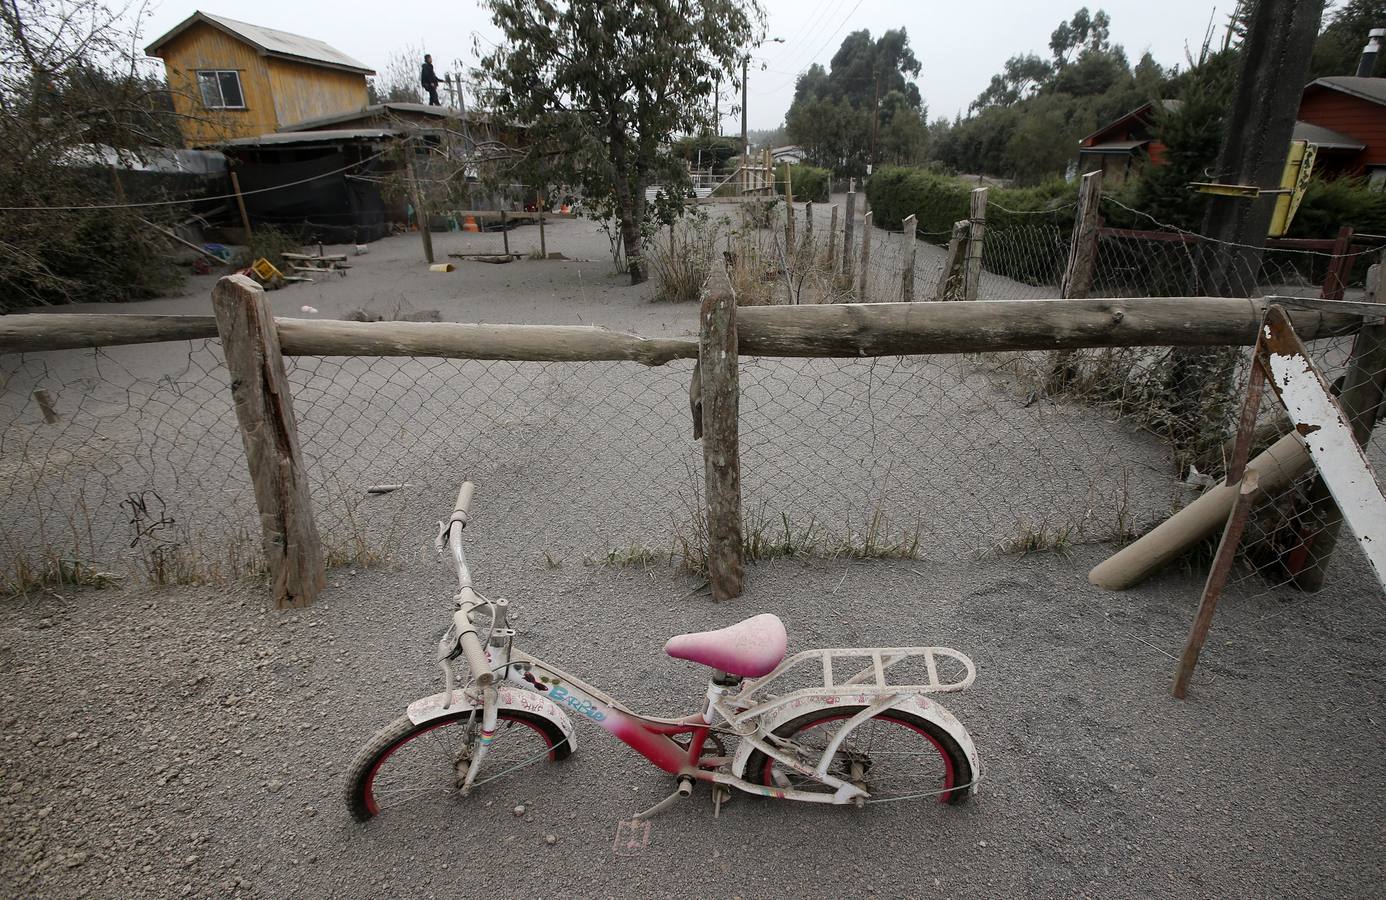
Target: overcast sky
(960,44)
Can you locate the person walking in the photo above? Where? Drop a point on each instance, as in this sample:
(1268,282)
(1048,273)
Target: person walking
(429,80)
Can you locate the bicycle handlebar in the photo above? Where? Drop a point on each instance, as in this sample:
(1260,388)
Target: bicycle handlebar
(464,500)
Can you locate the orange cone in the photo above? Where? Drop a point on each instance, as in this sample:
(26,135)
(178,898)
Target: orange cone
(470,224)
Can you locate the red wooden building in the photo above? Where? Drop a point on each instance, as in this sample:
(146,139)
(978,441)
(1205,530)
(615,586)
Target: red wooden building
(1345,117)
(1355,109)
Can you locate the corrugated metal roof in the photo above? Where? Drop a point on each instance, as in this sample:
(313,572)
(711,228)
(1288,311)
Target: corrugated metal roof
(269,41)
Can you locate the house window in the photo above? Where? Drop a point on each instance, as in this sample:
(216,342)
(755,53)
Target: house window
(221,89)
(1376,178)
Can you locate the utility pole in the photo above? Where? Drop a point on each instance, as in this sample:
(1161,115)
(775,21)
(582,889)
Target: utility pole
(717,108)
(1260,121)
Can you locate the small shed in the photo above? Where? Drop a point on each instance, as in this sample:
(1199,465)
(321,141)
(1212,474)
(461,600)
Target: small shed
(231,79)
(1354,111)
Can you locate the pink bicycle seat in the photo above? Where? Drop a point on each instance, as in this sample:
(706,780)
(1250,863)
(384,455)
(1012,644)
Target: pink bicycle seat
(750,648)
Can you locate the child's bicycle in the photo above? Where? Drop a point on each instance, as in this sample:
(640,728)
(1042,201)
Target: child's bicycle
(858,739)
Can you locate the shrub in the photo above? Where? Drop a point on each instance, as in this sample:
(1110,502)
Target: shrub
(810,182)
(681,259)
(271,243)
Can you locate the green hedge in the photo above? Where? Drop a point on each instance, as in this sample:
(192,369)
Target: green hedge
(937,201)
(810,183)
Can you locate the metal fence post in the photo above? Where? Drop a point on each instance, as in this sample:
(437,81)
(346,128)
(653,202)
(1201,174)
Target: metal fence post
(265,410)
(720,396)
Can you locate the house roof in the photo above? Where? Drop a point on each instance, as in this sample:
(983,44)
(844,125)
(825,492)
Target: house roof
(338,136)
(269,42)
(1373,89)
(1140,112)
(1326,138)
(1114,147)
(377,109)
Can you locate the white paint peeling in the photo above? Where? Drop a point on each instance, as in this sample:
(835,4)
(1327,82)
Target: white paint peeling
(1335,452)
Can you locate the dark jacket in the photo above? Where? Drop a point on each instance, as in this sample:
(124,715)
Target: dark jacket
(426,76)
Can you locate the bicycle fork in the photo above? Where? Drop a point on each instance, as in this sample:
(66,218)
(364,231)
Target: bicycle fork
(481,744)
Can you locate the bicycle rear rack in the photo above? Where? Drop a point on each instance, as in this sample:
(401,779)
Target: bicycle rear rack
(870,667)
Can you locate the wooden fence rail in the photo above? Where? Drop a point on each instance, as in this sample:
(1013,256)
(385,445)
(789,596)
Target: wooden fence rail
(838,330)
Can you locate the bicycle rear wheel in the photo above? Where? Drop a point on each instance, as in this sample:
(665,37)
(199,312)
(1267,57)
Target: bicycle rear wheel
(894,755)
(407,763)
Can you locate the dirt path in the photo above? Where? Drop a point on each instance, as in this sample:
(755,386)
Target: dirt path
(189,742)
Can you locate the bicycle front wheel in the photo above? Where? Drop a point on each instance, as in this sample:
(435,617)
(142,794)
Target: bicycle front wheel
(893,755)
(408,764)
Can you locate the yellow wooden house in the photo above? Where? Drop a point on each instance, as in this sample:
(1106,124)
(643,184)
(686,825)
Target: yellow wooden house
(231,79)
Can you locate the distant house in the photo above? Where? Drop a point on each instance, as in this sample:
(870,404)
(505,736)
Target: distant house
(792,154)
(230,79)
(1353,109)
(1349,130)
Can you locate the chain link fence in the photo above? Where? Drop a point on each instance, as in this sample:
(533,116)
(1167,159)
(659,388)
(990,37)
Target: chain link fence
(143,473)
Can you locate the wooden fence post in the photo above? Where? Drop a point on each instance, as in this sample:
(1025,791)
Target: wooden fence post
(720,395)
(240,204)
(808,227)
(831,261)
(539,202)
(1078,273)
(265,410)
(420,214)
(1082,252)
(950,282)
(788,211)
(1335,281)
(907,272)
(865,257)
(848,224)
(505,234)
(976,235)
(1364,385)
(45,402)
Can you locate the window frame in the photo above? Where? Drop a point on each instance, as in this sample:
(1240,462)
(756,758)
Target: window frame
(221,94)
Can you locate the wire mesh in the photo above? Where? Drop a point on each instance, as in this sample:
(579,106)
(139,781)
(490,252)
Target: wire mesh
(144,474)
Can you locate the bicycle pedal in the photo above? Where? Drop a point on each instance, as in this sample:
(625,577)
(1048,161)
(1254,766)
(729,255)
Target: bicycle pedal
(720,794)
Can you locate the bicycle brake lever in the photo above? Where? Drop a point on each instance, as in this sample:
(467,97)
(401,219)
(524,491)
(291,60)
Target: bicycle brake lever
(440,541)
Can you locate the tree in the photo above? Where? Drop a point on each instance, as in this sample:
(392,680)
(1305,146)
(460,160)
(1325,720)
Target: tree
(840,115)
(399,81)
(603,85)
(1020,79)
(73,97)
(1339,46)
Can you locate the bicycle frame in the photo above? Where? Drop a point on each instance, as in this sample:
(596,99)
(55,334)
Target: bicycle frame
(731,706)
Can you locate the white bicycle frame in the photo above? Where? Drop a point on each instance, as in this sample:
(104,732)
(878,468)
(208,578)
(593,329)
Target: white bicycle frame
(743,708)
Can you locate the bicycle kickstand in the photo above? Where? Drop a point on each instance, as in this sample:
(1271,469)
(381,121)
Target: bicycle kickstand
(684,789)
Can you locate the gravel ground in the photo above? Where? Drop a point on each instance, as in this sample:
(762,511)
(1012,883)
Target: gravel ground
(191,742)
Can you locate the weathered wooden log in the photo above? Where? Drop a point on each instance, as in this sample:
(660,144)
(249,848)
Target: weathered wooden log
(976,238)
(907,259)
(720,395)
(950,280)
(865,268)
(33,332)
(892,329)
(264,407)
(46,406)
(1276,467)
(544,343)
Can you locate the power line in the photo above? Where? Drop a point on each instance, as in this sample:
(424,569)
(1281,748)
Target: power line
(840,26)
(823,20)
